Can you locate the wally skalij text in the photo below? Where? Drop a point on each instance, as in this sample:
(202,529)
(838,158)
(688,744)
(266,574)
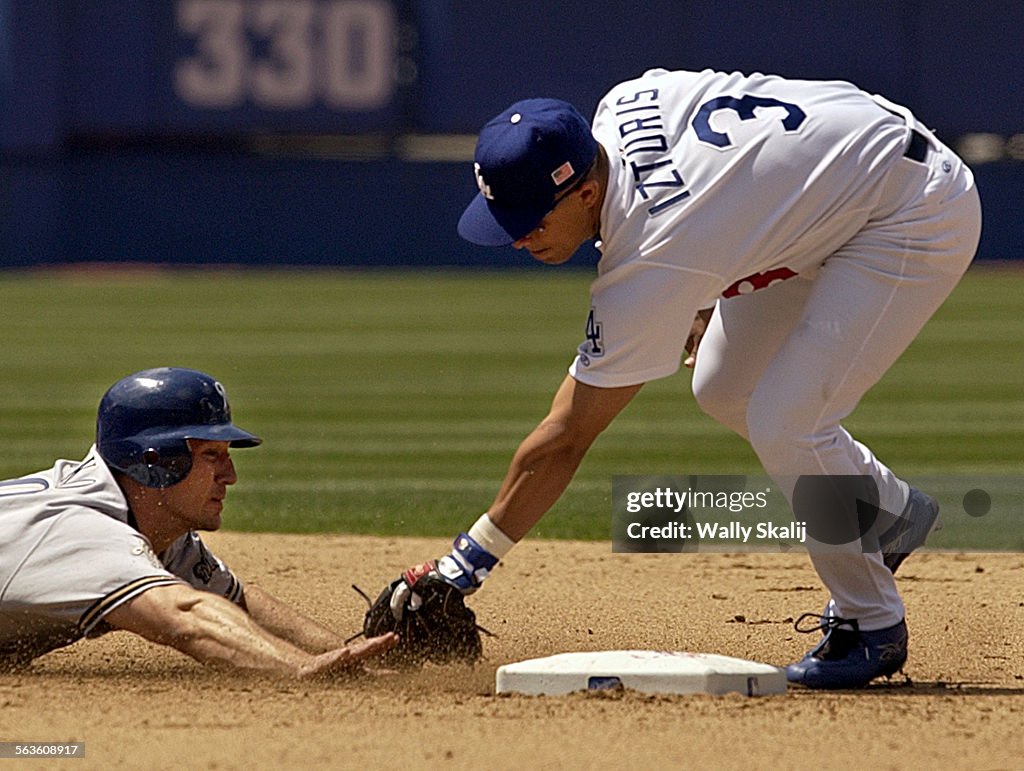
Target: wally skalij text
(701,513)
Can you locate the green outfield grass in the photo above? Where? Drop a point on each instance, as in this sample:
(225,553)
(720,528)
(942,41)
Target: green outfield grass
(391,402)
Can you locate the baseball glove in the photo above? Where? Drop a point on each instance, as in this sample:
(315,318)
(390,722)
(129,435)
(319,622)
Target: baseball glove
(430,616)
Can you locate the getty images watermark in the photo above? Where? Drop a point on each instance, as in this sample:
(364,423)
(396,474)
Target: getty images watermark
(749,513)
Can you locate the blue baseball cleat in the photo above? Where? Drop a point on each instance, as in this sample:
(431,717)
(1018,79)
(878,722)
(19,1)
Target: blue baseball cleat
(919,519)
(847,657)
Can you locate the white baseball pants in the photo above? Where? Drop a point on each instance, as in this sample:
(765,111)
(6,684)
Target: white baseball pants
(784,366)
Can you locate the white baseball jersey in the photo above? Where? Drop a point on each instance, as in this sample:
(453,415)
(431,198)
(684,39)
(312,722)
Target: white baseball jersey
(721,184)
(68,556)
(827,224)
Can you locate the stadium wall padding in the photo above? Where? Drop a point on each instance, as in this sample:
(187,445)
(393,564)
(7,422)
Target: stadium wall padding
(129,132)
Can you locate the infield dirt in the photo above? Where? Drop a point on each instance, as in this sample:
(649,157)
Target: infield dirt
(959,705)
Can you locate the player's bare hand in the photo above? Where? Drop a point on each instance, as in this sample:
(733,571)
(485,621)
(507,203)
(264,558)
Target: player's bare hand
(697,330)
(349,660)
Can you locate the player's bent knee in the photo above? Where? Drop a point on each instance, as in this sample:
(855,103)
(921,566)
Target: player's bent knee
(779,431)
(728,410)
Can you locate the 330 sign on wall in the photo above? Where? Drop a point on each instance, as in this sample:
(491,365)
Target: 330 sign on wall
(284,55)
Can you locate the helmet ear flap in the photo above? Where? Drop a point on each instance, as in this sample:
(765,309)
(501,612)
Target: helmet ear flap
(160,468)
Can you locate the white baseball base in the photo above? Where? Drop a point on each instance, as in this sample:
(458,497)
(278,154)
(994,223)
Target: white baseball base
(648,671)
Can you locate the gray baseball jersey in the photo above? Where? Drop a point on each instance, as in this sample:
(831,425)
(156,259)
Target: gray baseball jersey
(68,556)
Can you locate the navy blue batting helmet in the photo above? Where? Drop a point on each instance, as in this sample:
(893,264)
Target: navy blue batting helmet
(145,420)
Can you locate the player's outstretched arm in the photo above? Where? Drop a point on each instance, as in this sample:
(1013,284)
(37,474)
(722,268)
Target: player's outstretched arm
(542,467)
(217,632)
(284,621)
(547,459)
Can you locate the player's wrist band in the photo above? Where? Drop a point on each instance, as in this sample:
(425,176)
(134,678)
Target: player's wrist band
(468,564)
(490,538)
(474,555)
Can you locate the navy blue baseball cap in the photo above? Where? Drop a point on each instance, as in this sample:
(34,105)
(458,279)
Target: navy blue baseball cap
(525,157)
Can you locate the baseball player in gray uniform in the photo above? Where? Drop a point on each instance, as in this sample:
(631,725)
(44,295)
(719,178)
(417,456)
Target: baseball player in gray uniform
(823,225)
(110,542)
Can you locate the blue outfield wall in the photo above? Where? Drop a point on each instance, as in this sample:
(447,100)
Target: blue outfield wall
(1002,203)
(179,208)
(129,131)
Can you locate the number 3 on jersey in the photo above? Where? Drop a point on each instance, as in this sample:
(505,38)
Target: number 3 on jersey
(593,335)
(744,106)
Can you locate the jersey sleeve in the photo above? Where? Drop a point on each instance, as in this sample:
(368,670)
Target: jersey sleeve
(640,316)
(187,560)
(191,560)
(82,566)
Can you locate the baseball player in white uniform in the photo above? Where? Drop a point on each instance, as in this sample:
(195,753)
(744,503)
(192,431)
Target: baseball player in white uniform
(110,542)
(822,224)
